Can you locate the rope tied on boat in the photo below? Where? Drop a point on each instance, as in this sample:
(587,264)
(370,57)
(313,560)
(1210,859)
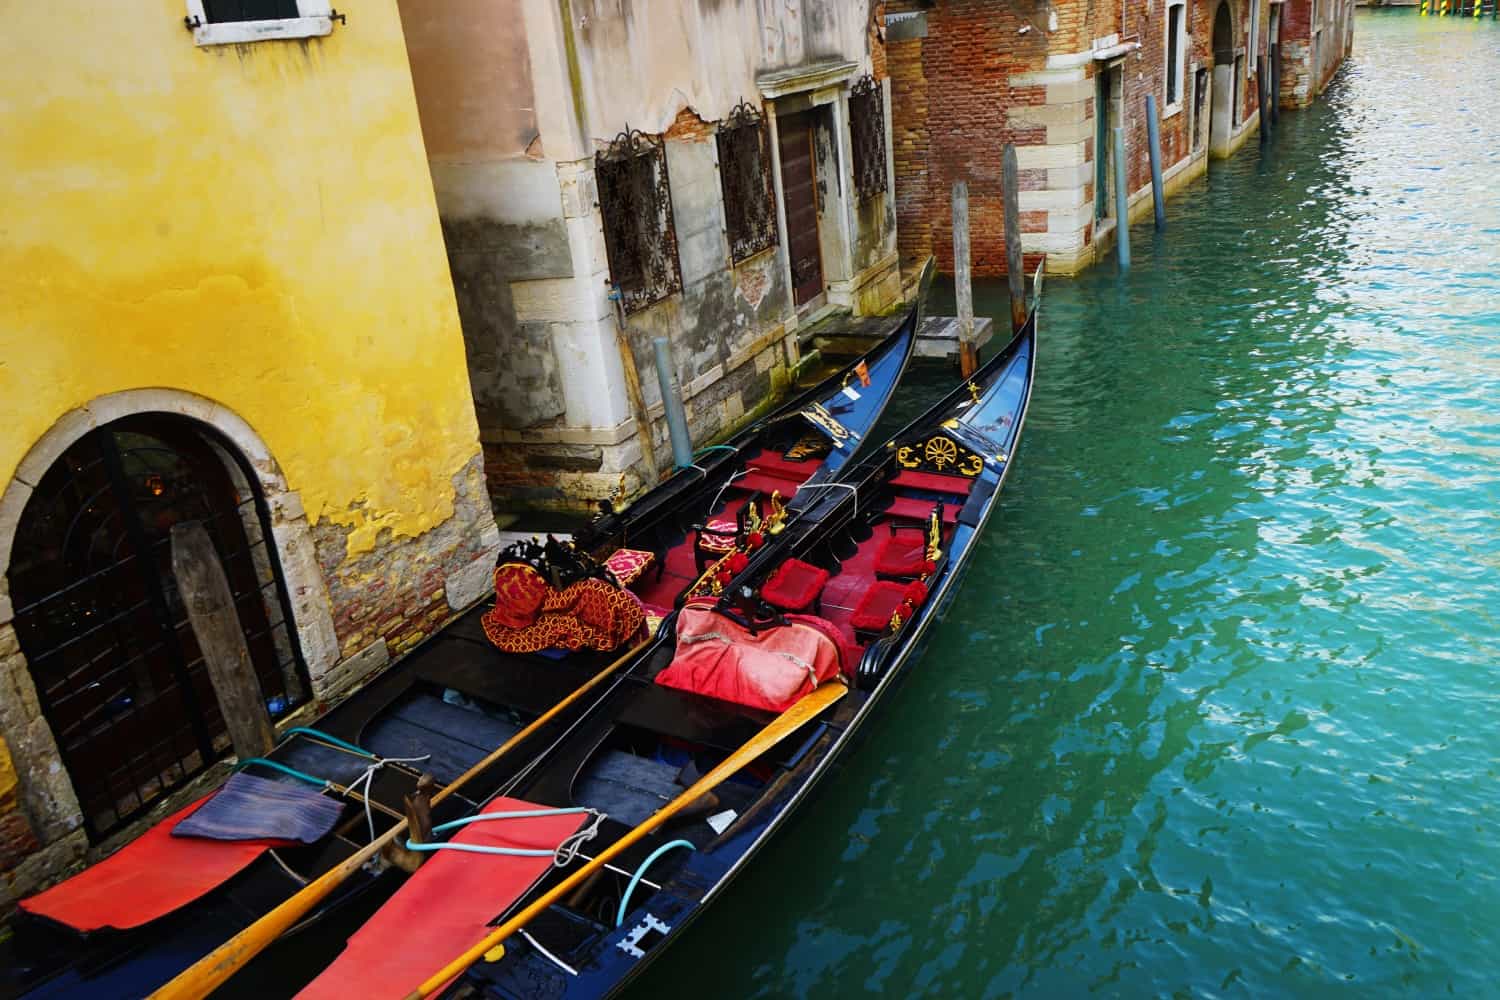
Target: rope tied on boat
(367,779)
(562,855)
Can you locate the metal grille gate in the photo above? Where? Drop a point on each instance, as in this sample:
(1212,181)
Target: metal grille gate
(116,666)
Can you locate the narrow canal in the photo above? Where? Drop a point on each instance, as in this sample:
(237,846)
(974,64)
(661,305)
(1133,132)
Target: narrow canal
(1214,711)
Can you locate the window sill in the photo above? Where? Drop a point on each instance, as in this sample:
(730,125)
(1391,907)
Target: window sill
(1171,110)
(242,32)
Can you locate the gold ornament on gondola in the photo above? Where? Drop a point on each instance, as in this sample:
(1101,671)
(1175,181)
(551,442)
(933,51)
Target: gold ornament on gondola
(941,452)
(829,424)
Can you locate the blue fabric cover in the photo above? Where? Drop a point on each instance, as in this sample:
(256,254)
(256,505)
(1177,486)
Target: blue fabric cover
(251,808)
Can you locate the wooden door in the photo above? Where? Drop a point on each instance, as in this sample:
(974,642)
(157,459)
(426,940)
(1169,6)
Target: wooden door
(799,190)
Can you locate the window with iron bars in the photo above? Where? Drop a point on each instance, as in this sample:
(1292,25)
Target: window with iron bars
(745,173)
(867,132)
(640,239)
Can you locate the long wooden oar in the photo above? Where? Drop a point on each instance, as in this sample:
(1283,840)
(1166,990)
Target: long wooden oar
(213,969)
(784,725)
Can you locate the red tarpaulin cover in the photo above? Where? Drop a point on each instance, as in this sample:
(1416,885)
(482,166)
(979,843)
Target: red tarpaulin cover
(444,908)
(146,879)
(770,669)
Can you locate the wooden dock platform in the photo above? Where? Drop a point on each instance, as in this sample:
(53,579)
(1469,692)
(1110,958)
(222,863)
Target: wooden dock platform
(839,336)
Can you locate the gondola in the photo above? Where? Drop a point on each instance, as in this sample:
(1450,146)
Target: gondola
(138,918)
(587,865)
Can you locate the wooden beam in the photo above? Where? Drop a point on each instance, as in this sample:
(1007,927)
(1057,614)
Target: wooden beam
(963,284)
(210,607)
(1015,270)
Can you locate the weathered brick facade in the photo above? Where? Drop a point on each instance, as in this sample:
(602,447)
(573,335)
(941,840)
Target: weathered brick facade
(970,76)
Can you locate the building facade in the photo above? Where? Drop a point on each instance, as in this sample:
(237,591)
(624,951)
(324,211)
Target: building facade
(1055,79)
(711,172)
(224,298)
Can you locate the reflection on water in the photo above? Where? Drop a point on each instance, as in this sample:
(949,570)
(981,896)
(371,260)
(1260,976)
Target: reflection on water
(1215,713)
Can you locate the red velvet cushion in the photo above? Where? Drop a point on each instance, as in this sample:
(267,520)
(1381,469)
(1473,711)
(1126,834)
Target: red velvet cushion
(902,553)
(877,606)
(794,585)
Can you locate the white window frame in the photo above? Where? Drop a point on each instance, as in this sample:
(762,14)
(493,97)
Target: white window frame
(1170,108)
(1254,38)
(314,19)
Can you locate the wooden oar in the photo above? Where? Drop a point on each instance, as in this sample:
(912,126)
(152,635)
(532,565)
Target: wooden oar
(213,969)
(784,725)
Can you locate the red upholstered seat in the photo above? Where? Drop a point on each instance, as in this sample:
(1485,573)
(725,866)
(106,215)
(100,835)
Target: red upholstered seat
(768,483)
(956,485)
(903,552)
(880,602)
(795,585)
(781,466)
(918,510)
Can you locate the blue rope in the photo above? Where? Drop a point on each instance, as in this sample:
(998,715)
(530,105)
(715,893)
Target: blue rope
(714,447)
(300,775)
(561,855)
(636,878)
(320,735)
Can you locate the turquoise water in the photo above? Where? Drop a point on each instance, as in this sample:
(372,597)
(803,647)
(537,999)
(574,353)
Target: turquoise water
(1214,713)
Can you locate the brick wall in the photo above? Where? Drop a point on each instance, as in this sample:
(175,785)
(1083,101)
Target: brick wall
(950,93)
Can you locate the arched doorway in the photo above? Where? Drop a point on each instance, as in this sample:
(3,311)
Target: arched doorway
(116,667)
(1226,94)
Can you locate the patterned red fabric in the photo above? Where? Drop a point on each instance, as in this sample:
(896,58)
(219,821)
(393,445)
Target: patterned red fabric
(589,614)
(718,536)
(881,601)
(795,585)
(902,553)
(628,564)
(771,669)
(519,593)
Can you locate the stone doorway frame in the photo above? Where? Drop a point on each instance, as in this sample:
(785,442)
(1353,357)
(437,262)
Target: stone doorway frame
(46,796)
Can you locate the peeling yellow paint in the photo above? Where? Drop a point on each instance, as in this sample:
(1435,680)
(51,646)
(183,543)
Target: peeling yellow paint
(254,224)
(8,780)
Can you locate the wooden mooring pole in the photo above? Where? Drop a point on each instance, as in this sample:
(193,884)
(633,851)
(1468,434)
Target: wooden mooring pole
(633,388)
(210,608)
(1153,134)
(1015,270)
(1262,95)
(1122,201)
(963,284)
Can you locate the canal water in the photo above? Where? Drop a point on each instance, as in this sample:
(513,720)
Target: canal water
(1217,711)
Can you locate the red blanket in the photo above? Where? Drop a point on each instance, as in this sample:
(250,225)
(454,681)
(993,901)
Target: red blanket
(529,615)
(771,669)
(147,878)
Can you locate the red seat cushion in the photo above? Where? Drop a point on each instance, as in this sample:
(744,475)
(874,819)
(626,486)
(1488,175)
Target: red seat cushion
(718,536)
(628,564)
(919,509)
(957,485)
(880,602)
(795,585)
(902,552)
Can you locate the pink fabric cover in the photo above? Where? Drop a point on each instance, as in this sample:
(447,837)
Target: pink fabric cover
(718,657)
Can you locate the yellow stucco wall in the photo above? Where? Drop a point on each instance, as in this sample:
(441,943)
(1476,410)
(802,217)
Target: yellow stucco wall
(251,223)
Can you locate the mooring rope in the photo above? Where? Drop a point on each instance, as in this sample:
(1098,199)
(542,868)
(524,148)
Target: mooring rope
(562,855)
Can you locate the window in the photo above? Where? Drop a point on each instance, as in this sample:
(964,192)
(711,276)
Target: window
(635,198)
(867,131)
(228,22)
(1176,53)
(745,174)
